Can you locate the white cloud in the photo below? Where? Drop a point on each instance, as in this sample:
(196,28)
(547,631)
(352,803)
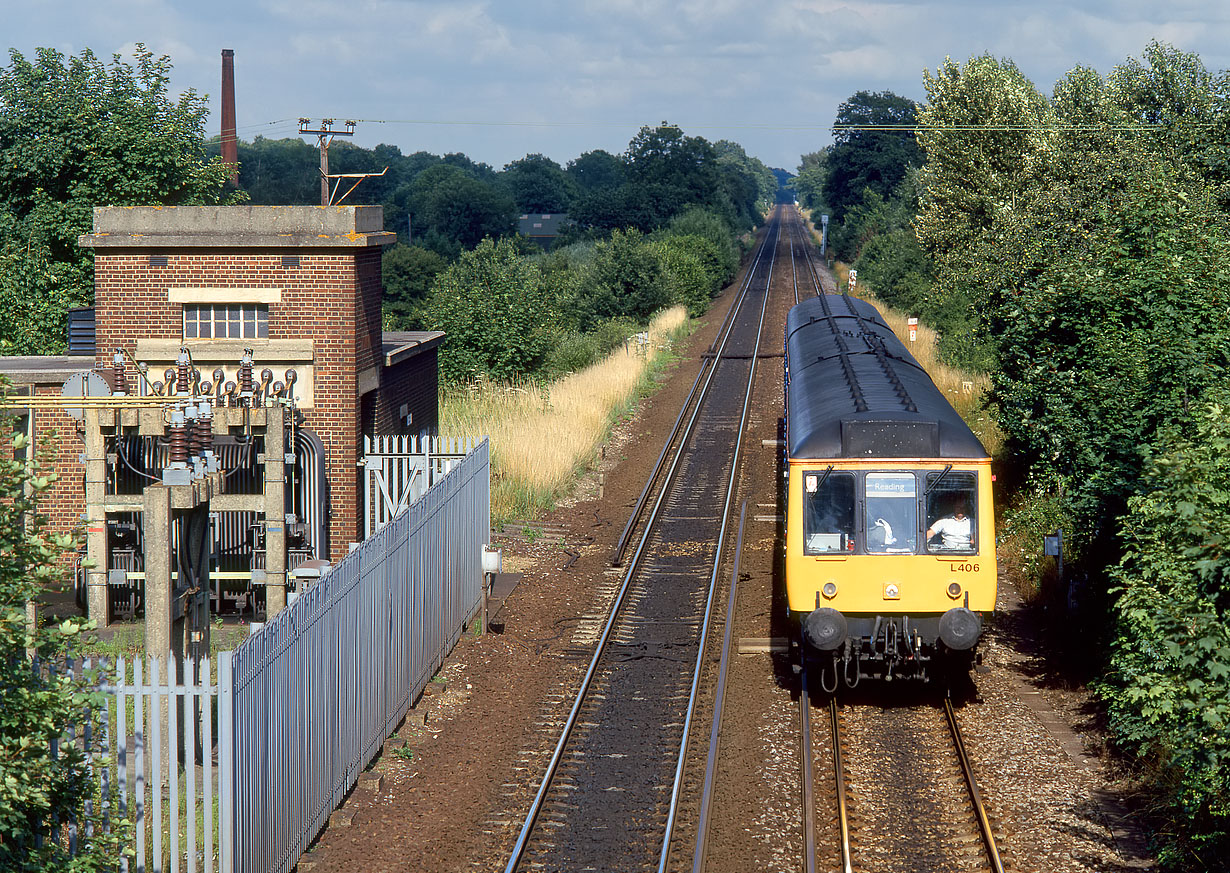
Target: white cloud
(616,64)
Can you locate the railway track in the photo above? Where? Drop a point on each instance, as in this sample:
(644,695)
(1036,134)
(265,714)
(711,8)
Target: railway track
(609,793)
(912,783)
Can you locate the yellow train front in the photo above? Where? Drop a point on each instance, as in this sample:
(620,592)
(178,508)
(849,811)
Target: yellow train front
(890,539)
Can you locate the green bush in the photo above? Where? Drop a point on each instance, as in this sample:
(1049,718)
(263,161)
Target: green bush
(686,277)
(626,278)
(700,222)
(39,789)
(498,312)
(1168,690)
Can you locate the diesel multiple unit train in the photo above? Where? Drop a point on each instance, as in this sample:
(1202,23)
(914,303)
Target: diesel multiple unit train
(890,540)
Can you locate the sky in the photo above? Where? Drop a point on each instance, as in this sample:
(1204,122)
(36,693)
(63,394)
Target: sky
(498,80)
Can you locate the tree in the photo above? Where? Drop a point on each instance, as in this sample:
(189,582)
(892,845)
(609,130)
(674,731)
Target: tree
(596,170)
(279,172)
(986,133)
(498,312)
(875,159)
(1168,692)
(407,273)
(39,788)
(809,181)
(626,277)
(673,171)
(459,207)
(76,133)
(538,184)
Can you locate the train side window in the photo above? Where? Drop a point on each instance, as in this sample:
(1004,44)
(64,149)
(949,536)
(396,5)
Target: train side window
(828,512)
(952,519)
(892,513)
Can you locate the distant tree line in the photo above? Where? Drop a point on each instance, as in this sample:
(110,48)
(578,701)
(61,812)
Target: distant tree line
(1076,246)
(656,225)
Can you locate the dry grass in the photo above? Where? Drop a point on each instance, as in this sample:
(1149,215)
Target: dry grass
(544,437)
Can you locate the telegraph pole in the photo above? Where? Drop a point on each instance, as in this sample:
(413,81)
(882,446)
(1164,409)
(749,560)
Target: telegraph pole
(324,135)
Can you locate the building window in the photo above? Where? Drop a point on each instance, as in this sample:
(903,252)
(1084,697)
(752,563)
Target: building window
(226,321)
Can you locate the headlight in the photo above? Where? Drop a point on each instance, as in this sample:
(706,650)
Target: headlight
(954,589)
(829,590)
(892,591)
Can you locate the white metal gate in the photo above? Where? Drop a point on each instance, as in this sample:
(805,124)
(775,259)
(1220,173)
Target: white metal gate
(400,469)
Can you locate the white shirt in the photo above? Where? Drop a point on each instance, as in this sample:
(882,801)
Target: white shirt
(957,533)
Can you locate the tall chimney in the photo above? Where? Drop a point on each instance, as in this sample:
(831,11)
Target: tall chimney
(230,145)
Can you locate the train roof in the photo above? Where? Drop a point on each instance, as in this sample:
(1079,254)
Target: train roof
(855,391)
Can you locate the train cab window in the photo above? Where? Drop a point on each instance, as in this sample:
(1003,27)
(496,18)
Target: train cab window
(951,516)
(892,513)
(828,512)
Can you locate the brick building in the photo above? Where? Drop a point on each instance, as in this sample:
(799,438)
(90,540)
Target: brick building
(298,285)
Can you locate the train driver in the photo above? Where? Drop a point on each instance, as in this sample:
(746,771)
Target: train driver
(956,531)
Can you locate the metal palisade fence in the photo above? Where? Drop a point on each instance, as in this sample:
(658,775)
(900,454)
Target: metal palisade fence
(270,741)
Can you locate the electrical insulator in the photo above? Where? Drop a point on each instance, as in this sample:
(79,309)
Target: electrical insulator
(266,378)
(230,394)
(179,437)
(204,428)
(182,376)
(194,434)
(245,374)
(121,379)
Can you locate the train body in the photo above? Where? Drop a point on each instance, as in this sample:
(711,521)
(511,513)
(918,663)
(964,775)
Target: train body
(890,539)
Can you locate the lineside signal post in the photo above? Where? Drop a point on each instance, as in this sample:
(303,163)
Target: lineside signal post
(913,324)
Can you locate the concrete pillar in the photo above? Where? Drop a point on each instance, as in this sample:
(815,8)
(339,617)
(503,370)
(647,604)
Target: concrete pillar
(96,518)
(159,636)
(275,512)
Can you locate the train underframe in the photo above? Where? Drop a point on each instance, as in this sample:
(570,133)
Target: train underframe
(849,648)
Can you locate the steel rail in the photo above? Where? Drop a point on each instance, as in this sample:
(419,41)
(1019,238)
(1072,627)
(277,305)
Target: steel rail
(809,801)
(843,816)
(608,627)
(717,560)
(708,364)
(715,733)
(984,823)
(794,272)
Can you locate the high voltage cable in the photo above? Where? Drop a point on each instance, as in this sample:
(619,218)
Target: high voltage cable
(880,128)
(1013,128)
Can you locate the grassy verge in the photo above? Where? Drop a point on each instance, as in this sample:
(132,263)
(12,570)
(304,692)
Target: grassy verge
(544,437)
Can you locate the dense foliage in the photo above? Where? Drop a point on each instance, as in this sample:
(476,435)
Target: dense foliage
(1083,239)
(863,159)
(653,226)
(76,133)
(1169,692)
(498,311)
(39,789)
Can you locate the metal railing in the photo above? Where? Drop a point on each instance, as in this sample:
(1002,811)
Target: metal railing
(270,745)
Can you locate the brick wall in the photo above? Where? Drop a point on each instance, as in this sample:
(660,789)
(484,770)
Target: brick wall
(64,502)
(412,383)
